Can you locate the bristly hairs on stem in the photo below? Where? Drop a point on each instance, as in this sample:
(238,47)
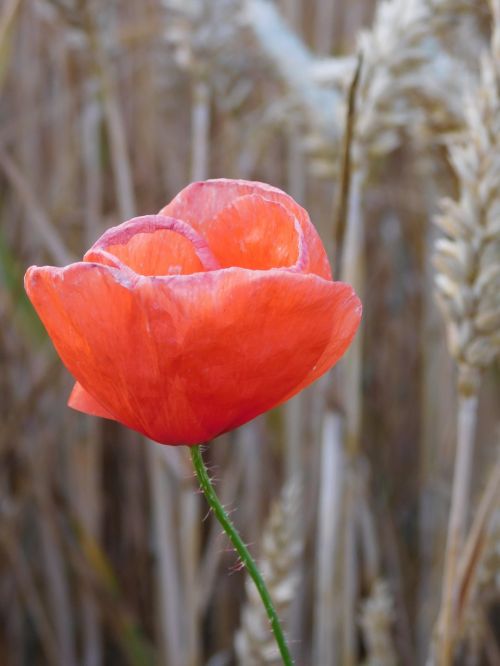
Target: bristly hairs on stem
(280,551)
(242,550)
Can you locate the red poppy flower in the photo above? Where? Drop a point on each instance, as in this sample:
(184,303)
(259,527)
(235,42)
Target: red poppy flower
(189,323)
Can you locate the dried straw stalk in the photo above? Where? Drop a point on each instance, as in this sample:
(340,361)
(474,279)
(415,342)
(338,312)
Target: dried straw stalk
(169,599)
(476,632)
(115,125)
(468,288)
(328,536)
(10,545)
(399,63)
(478,561)
(41,223)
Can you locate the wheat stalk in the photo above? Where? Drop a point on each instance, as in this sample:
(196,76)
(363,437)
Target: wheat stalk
(281,549)
(488,576)
(474,621)
(168,593)
(468,288)
(486,587)
(477,539)
(331,483)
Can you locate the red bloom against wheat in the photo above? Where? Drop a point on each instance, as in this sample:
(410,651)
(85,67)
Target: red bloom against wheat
(189,323)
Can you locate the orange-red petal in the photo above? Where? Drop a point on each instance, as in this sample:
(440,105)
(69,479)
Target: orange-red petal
(254,233)
(184,358)
(154,245)
(340,339)
(84,402)
(201,203)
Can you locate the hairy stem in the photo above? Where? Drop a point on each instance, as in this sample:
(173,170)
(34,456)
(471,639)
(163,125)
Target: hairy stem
(241,549)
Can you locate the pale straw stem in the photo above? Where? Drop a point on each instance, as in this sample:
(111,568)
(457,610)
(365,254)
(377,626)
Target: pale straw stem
(327,551)
(467,416)
(166,562)
(200,129)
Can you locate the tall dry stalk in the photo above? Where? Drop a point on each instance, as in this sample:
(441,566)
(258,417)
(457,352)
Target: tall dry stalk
(399,63)
(190,521)
(87,451)
(326,607)
(468,287)
(43,227)
(25,581)
(61,609)
(122,169)
(480,587)
(168,592)
(480,558)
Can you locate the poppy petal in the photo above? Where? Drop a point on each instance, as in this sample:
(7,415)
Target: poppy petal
(349,311)
(69,300)
(254,233)
(184,358)
(84,402)
(200,203)
(155,245)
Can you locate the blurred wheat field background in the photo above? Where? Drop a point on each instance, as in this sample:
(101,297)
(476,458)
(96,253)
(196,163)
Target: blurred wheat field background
(372,499)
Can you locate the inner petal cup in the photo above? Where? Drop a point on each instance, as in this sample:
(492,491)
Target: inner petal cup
(155,245)
(257,234)
(201,203)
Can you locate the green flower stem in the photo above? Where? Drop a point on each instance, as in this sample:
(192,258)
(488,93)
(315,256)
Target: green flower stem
(241,549)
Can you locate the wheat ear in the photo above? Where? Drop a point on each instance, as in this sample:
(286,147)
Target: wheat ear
(468,289)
